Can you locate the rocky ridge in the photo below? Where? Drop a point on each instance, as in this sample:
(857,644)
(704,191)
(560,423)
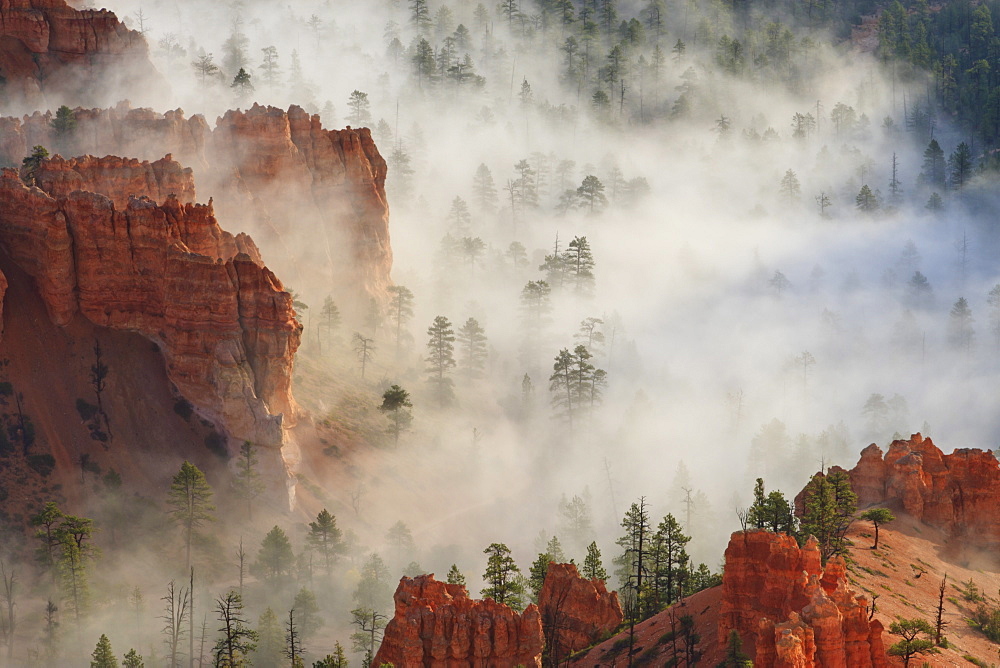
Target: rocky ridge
(957,493)
(790,610)
(222,320)
(437,625)
(313,198)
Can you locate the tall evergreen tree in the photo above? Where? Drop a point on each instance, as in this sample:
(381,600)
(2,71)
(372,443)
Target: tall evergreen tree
(472,348)
(502,580)
(190,503)
(441,359)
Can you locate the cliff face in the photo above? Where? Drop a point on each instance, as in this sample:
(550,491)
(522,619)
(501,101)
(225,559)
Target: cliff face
(223,322)
(314,198)
(792,612)
(437,625)
(957,493)
(575,612)
(47,46)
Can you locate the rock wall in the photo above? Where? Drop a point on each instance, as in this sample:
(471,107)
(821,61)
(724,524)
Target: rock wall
(48,47)
(957,493)
(790,611)
(222,320)
(437,625)
(314,198)
(576,612)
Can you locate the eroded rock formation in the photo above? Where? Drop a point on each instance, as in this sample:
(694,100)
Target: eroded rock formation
(437,625)
(49,46)
(790,611)
(117,178)
(576,612)
(957,493)
(314,198)
(222,320)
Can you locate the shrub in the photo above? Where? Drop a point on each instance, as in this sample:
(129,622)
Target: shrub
(86,410)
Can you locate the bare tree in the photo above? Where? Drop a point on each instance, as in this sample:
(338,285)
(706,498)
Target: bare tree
(174,615)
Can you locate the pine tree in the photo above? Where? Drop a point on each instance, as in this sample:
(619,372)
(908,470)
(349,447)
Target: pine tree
(501,577)
(270,641)
(103,655)
(830,504)
(592,566)
(247,483)
(400,311)
(275,557)
(934,173)
(396,403)
(579,261)
(441,359)
(455,576)
(472,349)
(483,189)
(190,503)
(961,335)
(242,85)
(133,660)
(326,538)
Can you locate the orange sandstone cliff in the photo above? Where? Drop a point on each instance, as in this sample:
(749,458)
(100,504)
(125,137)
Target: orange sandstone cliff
(50,48)
(790,611)
(576,612)
(313,198)
(222,320)
(437,625)
(957,493)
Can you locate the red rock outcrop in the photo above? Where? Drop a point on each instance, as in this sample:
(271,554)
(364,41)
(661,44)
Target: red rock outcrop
(314,198)
(222,320)
(957,493)
(48,46)
(117,178)
(437,625)
(576,612)
(790,611)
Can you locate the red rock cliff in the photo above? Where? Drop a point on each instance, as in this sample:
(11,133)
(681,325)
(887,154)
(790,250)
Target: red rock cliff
(314,198)
(46,47)
(223,321)
(957,493)
(437,625)
(790,611)
(576,612)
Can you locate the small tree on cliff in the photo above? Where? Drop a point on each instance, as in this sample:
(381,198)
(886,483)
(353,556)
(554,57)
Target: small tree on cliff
(30,165)
(830,504)
(65,121)
(877,516)
(503,583)
(593,569)
(911,645)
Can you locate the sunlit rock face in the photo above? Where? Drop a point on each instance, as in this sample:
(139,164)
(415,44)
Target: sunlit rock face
(576,612)
(52,49)
(221,319)
(314,198)
(790,611)
(957,493)
(437,625)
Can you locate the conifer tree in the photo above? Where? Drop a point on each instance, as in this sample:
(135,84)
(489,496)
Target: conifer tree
(190,503)
(103,655)
(441,359)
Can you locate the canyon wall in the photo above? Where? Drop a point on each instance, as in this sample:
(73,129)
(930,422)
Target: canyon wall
(957,493)
(437,625)
(790,611)
(313,198)
(48,48)
(222,320)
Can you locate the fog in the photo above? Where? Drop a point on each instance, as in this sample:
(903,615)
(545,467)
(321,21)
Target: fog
(726,302)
